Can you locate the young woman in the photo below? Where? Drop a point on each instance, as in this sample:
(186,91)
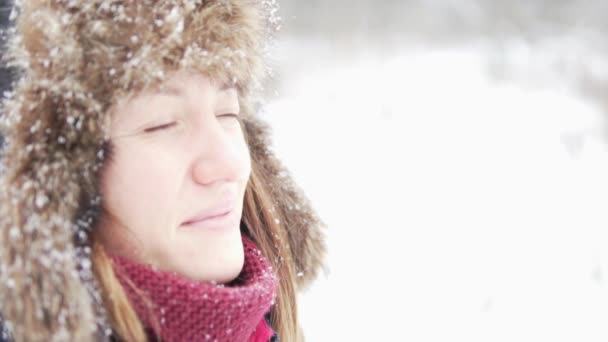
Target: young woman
(140,199)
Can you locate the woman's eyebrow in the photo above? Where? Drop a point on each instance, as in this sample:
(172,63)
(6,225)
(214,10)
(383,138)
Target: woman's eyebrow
(176,91)
(169,90)
(227,87)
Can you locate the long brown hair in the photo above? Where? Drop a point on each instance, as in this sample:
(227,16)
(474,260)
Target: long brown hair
(263,225)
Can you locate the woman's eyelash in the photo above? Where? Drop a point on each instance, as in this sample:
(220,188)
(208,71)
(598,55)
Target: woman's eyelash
(229,115)
(171,124)
(163,126)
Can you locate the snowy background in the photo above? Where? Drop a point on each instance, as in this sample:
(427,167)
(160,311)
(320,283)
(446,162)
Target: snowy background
(457,152)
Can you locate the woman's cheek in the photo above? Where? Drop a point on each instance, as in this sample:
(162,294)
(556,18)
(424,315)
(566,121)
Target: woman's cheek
(141,180)
(242,150)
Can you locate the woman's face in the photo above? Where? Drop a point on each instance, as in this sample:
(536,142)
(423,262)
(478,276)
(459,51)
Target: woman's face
(179,158)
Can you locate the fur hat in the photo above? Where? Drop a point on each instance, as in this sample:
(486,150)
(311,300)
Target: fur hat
(74,59)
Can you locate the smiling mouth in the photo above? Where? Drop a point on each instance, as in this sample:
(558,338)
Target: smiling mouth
(207,219)
(219,217)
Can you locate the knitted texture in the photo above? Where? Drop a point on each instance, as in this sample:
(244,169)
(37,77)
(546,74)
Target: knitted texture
(175,308)
(263,333)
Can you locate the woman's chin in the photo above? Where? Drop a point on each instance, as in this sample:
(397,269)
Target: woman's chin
(220,270)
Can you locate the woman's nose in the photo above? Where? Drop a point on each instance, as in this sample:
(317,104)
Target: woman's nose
(217,154)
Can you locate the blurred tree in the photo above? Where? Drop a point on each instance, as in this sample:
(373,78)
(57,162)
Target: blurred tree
(566,37)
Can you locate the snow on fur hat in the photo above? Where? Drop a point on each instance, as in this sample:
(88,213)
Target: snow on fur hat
(74,60)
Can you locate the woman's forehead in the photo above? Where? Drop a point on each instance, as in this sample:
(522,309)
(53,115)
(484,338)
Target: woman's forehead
(176,89)
(176,82)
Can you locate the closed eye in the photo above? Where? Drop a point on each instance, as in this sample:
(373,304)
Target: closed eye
(229,115)
(160,127)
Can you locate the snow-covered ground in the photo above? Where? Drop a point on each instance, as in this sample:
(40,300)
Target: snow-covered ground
(459,207)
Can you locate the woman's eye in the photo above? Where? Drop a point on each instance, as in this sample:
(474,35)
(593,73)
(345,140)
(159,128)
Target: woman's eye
(160,127)
(229,115)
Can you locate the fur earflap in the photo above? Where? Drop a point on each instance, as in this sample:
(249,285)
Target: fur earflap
(304,227)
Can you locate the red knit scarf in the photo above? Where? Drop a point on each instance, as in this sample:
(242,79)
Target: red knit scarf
(187,310)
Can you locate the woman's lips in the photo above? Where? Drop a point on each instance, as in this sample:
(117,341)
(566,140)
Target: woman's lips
(214,215)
